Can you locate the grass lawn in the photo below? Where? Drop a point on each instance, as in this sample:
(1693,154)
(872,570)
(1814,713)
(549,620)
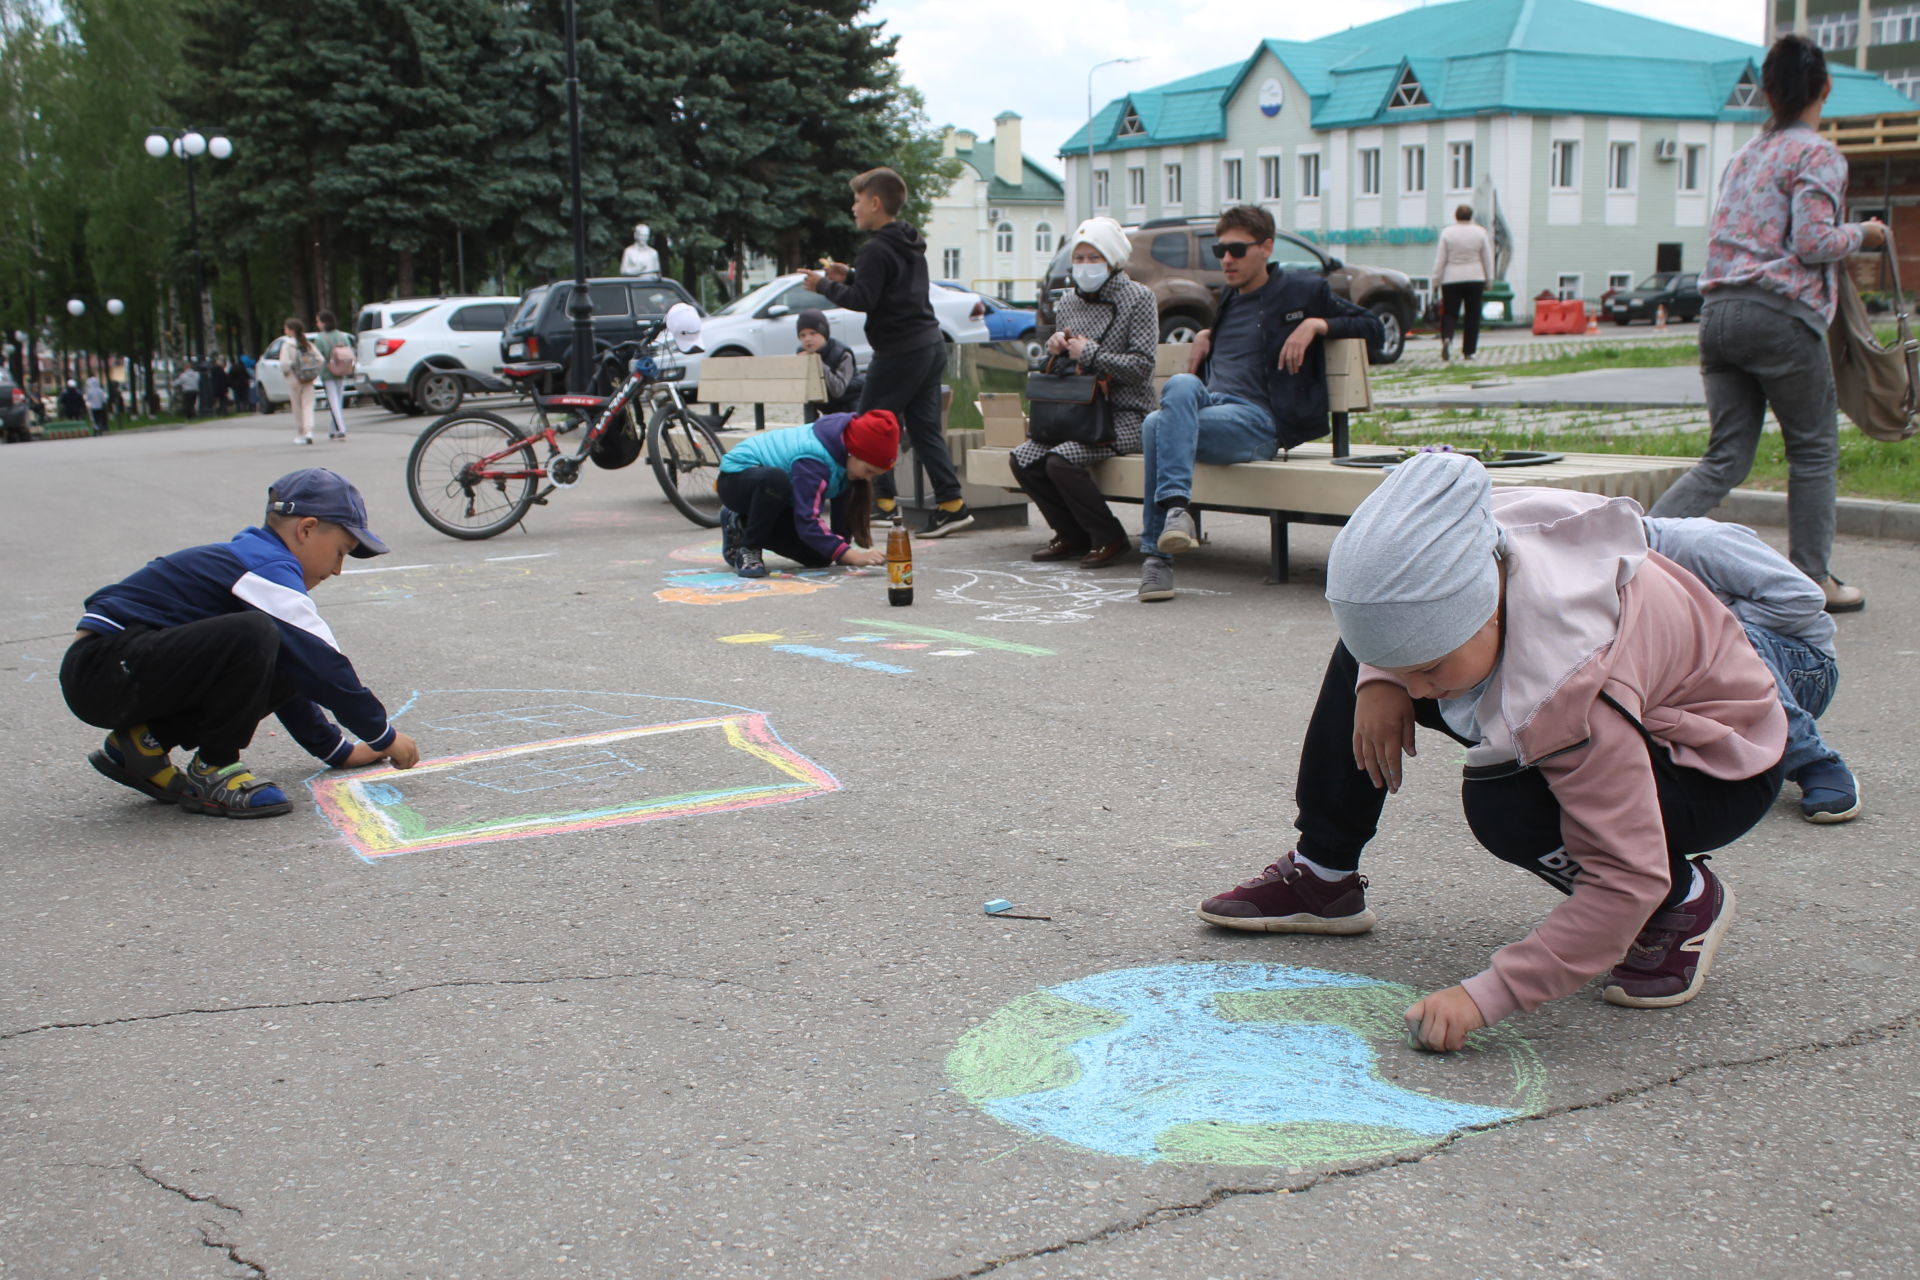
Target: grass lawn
(1608,356)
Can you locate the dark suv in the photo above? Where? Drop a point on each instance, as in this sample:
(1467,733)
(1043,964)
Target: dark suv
(1678,292)
(541,329)
(1172,258)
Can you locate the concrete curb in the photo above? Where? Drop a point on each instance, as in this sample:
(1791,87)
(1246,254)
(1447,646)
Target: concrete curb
(1861,517)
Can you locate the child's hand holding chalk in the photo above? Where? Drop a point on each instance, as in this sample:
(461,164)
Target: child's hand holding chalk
(1442,1021)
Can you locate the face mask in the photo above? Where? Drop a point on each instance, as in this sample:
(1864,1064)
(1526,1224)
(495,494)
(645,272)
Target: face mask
(1089,276)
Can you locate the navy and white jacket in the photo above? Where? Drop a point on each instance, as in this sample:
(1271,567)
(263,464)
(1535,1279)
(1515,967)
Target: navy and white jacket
(254,571)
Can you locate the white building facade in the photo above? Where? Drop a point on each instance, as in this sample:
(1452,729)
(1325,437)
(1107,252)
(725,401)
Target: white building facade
(996,227)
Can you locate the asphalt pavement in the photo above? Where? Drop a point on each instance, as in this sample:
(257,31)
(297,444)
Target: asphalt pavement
(671,958)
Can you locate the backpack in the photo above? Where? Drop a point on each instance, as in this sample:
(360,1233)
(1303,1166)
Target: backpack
(302,364)
(340,360)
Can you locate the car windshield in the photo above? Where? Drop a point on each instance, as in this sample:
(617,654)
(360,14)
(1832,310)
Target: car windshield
(529,307)
(750,302)
(1655,283)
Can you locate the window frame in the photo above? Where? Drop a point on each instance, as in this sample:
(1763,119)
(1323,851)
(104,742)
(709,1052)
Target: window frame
(1563,165)
(1272,177)
(1173,187)
(1136,186)
(1623,170)
(1413,154)
(1232,181)
(1309,172)
(1460,165)
(1003,238)
(1102,188)
(1370,175)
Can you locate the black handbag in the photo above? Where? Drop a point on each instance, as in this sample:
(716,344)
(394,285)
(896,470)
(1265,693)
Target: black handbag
(1065,408)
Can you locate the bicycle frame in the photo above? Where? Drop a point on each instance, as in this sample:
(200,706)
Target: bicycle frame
(642,374)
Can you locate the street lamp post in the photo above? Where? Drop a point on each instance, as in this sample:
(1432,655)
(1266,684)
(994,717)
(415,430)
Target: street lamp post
(187,145)
(580,305)
(1110,62)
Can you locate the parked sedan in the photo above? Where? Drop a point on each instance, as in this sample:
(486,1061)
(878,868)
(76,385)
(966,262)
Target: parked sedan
(273,383)
(1678,292)
(1007,323)
(435,357)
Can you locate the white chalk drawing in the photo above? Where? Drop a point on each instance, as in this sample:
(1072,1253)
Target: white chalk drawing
(1026,592)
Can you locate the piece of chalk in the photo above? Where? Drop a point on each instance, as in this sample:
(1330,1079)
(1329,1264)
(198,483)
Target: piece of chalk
(995,907)
(1413,1038)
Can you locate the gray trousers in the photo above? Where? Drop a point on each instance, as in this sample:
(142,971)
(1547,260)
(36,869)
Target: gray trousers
(1753,358)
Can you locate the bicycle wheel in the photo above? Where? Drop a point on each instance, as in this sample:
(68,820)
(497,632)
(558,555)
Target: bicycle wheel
(442,484)
(685,456)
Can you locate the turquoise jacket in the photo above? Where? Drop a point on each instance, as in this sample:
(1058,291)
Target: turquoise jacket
(815,460)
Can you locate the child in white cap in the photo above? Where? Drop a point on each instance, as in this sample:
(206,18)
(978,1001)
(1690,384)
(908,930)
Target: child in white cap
(1619,724)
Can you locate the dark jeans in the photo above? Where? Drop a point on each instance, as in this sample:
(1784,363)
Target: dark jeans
(205,684)
(908,385)
(1753,358)
(763,499)
(1468,294)
(99,421)
(1070,501)
(1514,817)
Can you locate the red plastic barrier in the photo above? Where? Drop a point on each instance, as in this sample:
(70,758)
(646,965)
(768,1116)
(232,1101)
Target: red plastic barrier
(1551,316)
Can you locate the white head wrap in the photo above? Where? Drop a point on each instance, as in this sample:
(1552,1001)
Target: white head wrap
(1107,239)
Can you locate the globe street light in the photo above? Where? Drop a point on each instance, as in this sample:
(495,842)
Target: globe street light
(187,144)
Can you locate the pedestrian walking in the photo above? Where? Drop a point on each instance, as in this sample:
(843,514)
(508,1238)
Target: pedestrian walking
(336,349)
(1461,267)
(96,396)
(301,362)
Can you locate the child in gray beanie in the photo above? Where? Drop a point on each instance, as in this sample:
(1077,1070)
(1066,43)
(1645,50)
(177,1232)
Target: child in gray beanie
(1619,724)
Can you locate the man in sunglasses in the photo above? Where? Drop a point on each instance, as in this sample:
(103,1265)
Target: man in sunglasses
(1256,383)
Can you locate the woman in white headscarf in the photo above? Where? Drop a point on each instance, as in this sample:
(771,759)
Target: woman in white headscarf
(1106,323)
(97,405)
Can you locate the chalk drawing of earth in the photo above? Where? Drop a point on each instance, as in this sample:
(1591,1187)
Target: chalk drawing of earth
(1244,1064)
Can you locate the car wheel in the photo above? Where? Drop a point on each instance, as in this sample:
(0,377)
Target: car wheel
(1622,321)
(1393,340)
(438,392)
(1178,328)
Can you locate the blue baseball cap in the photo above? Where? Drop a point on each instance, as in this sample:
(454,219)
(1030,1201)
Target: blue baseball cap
(325,495)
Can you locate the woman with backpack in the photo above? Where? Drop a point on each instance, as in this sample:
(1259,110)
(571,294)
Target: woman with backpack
(302,362)
(336,348)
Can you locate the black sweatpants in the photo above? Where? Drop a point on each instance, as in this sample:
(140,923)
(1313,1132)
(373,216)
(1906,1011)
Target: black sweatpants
(204,684)
(908,385)
(1069,500)
(763,499)
(1515,817)
(1469,295)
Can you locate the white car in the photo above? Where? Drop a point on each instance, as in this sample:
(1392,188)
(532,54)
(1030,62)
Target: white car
(273,383)
(431,359)
(761,323)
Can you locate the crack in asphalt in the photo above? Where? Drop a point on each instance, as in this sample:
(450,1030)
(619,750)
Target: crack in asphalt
(1219,1195)
(182,1192)
(387,995)
(232,1250)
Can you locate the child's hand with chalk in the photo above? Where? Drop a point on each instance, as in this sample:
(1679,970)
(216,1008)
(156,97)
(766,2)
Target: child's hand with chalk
(1442,1020)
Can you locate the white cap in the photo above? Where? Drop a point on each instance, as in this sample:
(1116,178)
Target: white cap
(683,326)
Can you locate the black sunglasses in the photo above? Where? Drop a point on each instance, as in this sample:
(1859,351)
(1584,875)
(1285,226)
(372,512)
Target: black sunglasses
(1231,248)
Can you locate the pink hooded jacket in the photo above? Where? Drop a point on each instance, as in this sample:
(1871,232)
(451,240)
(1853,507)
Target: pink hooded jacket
(1591,611)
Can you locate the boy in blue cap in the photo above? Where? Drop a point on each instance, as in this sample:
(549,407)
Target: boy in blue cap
(199,646)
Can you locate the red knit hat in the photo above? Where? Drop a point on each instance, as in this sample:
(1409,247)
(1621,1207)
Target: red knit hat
(874,437)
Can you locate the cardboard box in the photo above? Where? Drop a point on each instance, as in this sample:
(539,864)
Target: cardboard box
(1003,418)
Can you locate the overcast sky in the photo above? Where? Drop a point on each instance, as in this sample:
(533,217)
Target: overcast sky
(977,58)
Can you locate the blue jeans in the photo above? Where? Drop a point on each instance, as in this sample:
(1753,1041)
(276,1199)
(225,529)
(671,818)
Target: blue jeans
(1807,679)
(1194,425)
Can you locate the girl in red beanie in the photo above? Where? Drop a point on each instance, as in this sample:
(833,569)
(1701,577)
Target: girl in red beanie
(806,492)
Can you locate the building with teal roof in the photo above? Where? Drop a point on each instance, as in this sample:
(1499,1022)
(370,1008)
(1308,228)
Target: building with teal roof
(1596,137)
(997,225)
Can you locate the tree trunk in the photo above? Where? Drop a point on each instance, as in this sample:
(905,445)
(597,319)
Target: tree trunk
(404,289)
(302,278)
(249,318)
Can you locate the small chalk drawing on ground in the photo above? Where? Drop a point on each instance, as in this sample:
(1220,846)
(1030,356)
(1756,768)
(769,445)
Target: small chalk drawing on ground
(522,763)
(1025,592)
(1241,1064)
(881,649)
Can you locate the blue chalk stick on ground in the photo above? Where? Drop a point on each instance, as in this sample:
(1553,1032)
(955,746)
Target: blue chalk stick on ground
(995,907)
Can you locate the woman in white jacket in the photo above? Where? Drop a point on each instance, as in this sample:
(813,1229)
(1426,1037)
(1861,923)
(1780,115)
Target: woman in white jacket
(1461,269)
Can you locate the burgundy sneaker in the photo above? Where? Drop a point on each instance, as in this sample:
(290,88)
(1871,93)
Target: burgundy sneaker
(1288,898)
(1668,963)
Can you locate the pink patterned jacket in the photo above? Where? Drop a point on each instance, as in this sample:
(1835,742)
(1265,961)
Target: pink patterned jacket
(1777,230)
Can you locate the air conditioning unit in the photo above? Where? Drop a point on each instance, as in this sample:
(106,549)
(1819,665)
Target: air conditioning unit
(1666,149)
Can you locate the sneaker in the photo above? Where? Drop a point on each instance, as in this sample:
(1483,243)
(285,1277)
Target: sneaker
(1668,963)
(1156,579)
(1828,792)
(1179,534)
(1842,598)
(134,758)
(941,523)
(731,537)
(1288,898)
(748,564)
(229,791)
(303,439)
(880,517)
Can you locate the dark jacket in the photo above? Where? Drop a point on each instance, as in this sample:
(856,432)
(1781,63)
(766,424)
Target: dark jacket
(1298,401)
(888,281)
(841,372)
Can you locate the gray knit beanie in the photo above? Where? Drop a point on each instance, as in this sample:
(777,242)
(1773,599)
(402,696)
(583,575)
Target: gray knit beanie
(1412,577)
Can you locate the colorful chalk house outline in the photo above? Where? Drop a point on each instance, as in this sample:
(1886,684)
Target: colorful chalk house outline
(372,808)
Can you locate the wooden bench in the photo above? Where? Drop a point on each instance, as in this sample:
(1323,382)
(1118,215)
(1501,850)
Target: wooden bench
(1305,485)
(761,381)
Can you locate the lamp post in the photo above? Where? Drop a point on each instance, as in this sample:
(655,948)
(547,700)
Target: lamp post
(1110,62)
(188,145)
(580,305)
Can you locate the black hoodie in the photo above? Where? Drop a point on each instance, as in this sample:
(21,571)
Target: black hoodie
(888,281)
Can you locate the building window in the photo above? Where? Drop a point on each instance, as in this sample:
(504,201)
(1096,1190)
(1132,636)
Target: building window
(1835,31)
(1137,187)
(1459,166)
(950,263)
(1370,171)
(1269,177)
(1568,286)
(1408,92)
(1043,238)
(1101,195)
(1620,166)
(1310,176)
(1693,168)
(1746,92)
(1230,186)
(1619,281)
(1130,126)
(1173,185)
(1565,172)
(1897,25)
(1413,170)
(1003,238)
(1906,80)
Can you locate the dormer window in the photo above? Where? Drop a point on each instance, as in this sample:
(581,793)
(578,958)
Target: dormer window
(1408,92)
(1746,94)
(1130,126)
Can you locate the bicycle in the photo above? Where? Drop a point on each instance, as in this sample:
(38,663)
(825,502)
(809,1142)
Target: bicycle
(473,474)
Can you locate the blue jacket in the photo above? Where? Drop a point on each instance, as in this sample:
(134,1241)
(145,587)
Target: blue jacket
(815,460)
(1298,401)
(254,571)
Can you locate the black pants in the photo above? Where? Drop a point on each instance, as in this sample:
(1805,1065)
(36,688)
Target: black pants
(1070,501)
(763,499)
(1453,297)
(1515,817)
(206,684)
(908,384)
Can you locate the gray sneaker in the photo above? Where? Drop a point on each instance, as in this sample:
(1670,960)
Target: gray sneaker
(1156,579)
(1179,535)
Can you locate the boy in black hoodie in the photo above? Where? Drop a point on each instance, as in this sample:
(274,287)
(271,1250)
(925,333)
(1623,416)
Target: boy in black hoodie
(888,281)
